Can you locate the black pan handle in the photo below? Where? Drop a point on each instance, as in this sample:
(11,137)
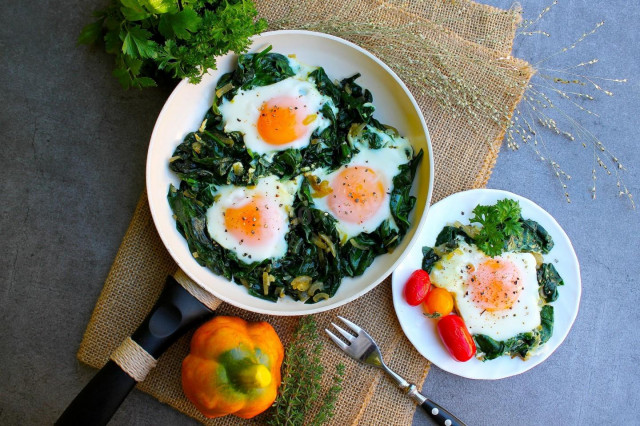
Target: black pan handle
(174,313)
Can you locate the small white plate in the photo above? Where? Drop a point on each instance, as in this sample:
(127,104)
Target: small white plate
(422,331)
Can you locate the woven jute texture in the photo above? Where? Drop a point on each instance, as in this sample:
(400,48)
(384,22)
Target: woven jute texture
(456,63)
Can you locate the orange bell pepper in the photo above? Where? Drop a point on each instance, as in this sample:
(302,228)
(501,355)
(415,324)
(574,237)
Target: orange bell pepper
(233,367)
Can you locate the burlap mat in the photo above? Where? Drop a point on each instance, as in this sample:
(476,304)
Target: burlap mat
(468,94)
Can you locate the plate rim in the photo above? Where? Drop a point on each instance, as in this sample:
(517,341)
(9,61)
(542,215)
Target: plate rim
(574,264)
(420,222)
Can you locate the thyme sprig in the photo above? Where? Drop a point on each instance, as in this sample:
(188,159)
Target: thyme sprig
(301,388)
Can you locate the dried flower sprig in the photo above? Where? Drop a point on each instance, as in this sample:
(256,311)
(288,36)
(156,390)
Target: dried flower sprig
(541,109)
(433,71)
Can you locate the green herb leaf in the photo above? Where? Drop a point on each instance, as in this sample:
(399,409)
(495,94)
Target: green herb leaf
(137,43)
(160,6)
(123,77)
(112,42)
(180,25)
(91,32)
(499,222)
(133,11)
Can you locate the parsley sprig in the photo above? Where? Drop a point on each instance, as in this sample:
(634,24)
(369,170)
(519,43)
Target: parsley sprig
(181,38)
(499,222)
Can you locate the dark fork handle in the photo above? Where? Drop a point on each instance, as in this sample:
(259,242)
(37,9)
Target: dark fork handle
(439,414)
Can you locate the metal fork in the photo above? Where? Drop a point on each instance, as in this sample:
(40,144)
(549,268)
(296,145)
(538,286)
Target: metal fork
(363,348)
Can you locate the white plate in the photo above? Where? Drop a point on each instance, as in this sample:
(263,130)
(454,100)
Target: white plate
(183,113)
(422,331)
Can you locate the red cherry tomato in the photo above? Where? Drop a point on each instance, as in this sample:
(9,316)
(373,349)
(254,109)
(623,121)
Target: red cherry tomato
(456,338)
(417,287)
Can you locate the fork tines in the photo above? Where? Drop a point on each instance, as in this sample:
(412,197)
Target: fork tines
(350,337)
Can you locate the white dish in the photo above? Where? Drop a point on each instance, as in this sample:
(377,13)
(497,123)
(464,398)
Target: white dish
(422,331)
(183,113)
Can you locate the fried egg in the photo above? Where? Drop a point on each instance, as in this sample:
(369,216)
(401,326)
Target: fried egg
(279,116)
(496,296)
(357,194)
(253,221)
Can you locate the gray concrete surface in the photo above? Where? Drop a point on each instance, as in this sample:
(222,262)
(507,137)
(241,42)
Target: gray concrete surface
(73,154)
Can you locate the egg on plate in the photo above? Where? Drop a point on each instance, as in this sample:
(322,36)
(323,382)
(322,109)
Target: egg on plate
(496,296)
(357,194)
(253,221)
(279,116)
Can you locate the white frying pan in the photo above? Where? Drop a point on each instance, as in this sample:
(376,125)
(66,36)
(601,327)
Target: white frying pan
(187,105)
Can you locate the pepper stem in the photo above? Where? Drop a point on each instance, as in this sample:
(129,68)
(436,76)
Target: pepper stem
(256,375)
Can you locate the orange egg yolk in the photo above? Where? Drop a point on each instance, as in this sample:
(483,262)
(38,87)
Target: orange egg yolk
(283,120)
(494,285)
(358,193)
(254,222)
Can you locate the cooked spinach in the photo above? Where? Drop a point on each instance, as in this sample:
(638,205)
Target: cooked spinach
(448,237)
(516,346)
(210,157)
(546,323)
(255,70)
(520,345)
(401,202)
(429,258)
(534,238)
(446,241)
(549,279)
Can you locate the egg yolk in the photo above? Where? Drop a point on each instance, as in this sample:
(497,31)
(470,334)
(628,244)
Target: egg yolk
(283,120)
(254,222)
(358,193)
(494,285)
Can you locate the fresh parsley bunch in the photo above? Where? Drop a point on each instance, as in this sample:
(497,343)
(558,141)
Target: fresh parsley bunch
(499,222)
(181,38)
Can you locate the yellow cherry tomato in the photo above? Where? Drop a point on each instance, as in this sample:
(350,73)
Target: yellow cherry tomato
(438,303)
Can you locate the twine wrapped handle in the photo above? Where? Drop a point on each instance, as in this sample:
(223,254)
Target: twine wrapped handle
(181,305)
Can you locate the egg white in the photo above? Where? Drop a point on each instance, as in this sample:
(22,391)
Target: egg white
(280,195)
(385,162)
(241,113)
(451,273)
